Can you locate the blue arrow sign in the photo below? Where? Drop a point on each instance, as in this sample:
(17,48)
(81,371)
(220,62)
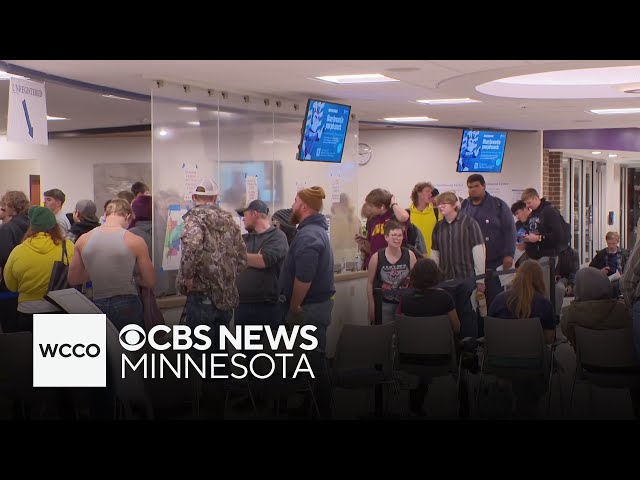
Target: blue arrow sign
(26,114)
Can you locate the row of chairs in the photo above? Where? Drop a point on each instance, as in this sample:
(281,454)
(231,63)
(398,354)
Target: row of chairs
(367,356)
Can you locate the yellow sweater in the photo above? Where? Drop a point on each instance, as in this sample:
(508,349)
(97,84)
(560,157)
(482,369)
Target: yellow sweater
(28,268)
(425,221)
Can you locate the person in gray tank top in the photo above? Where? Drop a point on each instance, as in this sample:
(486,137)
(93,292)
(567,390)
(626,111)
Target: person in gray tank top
(107,256)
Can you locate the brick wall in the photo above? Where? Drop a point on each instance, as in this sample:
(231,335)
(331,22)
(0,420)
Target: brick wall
(552,178)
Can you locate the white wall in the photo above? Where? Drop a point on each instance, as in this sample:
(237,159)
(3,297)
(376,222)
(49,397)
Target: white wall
(67,163)
(403,157)
(14,174)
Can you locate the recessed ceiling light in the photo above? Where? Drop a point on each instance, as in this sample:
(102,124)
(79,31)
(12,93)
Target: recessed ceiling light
(596,153)
(188,109)
(448,101)
(411,119)
(364,78)
(615,111)
(116,97)
(56,118)
(612,155)
(163,132)
(195,124)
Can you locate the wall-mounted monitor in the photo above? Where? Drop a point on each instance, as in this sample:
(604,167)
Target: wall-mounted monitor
(481,151)
(324,131)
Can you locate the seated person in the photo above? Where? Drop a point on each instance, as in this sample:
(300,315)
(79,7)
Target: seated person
(611,260)
(593,306)
(426,301)
(525,299)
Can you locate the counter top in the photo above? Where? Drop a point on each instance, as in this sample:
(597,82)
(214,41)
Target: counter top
(177,301)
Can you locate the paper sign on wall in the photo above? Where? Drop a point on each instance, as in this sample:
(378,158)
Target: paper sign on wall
(251,188)
(191,180)
(172,251)
(335,189)
(27,119)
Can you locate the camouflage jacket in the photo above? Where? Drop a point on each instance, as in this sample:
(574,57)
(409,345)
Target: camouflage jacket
(213,254)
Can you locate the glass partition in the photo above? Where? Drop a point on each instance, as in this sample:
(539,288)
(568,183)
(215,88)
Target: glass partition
(248,146)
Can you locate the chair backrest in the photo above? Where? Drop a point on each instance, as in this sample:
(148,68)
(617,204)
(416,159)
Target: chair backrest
(16,360)
(605,348)
(516,343)
(364,346)
(424,335)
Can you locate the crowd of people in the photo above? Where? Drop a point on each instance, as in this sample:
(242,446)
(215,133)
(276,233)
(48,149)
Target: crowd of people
(438,256)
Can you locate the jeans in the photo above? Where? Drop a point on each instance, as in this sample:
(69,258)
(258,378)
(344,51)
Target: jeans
(122,310)
(494,287)
(388,311)
(461,291)
(318,315)
(258,314)
(201,310)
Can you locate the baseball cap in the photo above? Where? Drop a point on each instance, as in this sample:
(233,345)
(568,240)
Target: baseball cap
(207,188)
(87,210)
(257,206)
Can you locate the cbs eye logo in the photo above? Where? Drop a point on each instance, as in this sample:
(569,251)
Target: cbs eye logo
(132,337)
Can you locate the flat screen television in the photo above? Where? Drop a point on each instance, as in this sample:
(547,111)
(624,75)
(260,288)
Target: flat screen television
(481,151)
(324,131)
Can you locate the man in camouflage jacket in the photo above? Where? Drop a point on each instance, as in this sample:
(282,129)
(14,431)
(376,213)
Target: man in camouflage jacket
(213,254)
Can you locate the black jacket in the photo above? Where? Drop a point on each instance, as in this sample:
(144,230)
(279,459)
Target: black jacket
(600,260)
(80,228)
(546,221)
(11,235)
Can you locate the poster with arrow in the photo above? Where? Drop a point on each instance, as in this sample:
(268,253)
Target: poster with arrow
(27,118)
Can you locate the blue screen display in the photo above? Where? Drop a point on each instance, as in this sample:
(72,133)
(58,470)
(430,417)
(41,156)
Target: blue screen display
(324,131)
(481,151)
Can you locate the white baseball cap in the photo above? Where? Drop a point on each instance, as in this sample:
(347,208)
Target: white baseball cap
(207,188)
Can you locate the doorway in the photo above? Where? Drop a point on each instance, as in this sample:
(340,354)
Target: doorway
(34,190)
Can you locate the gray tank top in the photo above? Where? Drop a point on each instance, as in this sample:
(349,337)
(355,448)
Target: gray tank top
(110,264)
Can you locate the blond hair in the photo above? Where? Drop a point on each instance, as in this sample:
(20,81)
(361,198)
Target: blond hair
(448,197)
(16,200)
(119,206)
(529,279)
(529,193)
(612,235)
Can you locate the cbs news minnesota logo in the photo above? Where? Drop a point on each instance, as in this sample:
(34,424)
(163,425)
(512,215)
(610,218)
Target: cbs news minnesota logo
(69,350)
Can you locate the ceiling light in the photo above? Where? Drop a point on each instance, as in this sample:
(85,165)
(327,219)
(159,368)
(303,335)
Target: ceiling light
(188,109)
(448,101)
(365,78)
(596,153)
(116,97)
(196,124)
(411,119)
(612,155)
(615,111)
(56,118)
(163,132)
(6,76)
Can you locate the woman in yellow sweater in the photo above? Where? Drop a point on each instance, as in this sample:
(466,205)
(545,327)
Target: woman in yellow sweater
(28,269)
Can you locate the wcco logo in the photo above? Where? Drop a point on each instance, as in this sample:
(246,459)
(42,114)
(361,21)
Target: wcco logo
(69,350)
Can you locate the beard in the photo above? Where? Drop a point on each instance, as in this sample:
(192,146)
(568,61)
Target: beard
(294,219)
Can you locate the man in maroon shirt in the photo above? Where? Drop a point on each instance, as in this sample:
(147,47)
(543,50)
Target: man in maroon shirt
(382,205)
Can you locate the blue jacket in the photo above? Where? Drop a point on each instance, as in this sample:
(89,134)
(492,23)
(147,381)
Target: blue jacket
(497,225)
(310,259)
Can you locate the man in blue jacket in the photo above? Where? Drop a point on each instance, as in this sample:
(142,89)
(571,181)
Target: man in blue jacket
(307,283)
(498,229)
